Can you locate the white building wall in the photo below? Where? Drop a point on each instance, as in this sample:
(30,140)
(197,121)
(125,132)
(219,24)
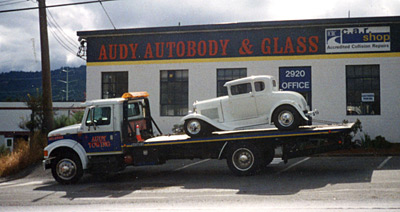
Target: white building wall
(328,87)
(13,113)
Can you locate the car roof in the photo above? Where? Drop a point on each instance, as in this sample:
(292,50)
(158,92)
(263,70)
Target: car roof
(249,79)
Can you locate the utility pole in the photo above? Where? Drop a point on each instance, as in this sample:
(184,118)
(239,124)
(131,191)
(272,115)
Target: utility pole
(48,119)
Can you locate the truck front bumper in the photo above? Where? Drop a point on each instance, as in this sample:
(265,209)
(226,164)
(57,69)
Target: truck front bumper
(46,163)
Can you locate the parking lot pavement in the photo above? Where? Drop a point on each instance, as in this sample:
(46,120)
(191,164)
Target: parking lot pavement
(320,183)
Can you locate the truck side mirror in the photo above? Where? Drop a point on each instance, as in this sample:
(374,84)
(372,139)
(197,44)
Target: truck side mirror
(90,121)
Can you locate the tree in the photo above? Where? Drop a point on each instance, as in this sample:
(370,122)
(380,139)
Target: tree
(35,123)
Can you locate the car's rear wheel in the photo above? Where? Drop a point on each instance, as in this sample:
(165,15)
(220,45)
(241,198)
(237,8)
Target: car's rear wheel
(196,128)
(286,118)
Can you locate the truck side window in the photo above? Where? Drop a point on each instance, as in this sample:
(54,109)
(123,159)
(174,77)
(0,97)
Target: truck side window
(133,109)
(241,89)
(101,116)
(259,86)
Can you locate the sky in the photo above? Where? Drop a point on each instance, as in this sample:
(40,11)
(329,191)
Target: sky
(20,38)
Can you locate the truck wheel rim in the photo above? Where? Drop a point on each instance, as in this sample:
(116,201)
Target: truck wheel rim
(243,159)
(286,118)
(194,127)
(66,169)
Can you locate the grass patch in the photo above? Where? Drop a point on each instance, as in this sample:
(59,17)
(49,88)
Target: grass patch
(23,156)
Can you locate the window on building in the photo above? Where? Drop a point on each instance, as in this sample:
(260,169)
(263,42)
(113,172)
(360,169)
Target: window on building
(113,84)
(9,142)
(363,90)
(174,92)
(228,74)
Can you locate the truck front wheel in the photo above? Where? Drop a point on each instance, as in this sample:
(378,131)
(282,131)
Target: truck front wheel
(244,159)
(67,168)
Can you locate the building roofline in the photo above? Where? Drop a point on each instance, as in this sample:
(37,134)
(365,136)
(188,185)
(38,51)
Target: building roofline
(241,26)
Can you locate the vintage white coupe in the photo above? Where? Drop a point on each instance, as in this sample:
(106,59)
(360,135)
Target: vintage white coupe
(251,102)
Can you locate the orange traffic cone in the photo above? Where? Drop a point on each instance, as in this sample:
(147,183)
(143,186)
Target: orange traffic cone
(138,136)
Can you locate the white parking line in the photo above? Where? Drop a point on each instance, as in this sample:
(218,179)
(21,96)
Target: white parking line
(293,165)
(384,162)
(276,161)
(10,185)
(192,164)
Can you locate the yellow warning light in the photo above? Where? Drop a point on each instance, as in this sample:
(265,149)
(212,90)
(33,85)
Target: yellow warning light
(139,94)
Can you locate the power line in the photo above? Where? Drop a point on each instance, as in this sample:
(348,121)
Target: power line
(105,11)
(5,3)
(59,28)
(60,41)
(51,6)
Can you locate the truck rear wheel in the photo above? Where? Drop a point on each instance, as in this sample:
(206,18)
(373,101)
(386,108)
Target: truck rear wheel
(244,159)
(67,168)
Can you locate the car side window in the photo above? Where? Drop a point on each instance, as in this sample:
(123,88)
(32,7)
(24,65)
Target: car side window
(259,86)
(241,89)
(101,116)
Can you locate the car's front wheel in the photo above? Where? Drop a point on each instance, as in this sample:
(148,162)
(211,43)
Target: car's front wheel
(286,118)
(196,128)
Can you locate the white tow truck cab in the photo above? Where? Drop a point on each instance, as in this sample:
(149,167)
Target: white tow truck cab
(107,126)
(251,101)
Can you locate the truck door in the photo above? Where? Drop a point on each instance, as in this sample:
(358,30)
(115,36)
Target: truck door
(99,135)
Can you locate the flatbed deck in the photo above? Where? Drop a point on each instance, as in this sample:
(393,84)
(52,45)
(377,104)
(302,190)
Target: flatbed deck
(245,150)
(266,133)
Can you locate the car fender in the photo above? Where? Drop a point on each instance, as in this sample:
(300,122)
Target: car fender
(287,102)
(205,119)
(71,144)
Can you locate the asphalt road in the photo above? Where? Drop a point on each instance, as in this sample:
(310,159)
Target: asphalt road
(304,184)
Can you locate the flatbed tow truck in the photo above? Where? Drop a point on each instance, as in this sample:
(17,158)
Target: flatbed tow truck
(116,133)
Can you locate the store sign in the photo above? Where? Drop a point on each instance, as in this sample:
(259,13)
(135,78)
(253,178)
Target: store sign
(295,79)
(368,97)
(198,45)
(357,39)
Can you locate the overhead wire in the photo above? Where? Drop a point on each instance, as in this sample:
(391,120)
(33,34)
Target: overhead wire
(108,16)
(56,30)
(59,39)
(62,32)
(51,6)
(10,2)
(58,33)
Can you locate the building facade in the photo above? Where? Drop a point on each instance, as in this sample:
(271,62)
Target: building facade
(14,114)
(348,69)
